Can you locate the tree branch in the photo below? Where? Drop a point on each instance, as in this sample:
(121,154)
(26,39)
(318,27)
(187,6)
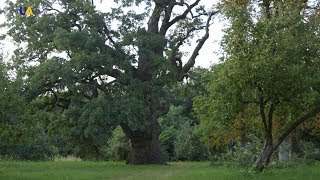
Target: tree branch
(52,9)
(184,14)
(269,125)
(263,115)
(76,25)
(107,32)
(153,23)
(167,25)
(304,117)
(250,102)
(195,53)
(166,19)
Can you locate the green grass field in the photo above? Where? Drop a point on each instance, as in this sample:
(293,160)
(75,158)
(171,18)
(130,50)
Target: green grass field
(118,170)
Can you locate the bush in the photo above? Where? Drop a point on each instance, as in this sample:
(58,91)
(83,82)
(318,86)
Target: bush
(38,150)
(118,146)
(178,140)
(239,156)
(34,149)
(188,146)
(310,153)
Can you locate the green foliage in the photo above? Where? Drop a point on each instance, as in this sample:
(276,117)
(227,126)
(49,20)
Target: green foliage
(91,77)
(93,70)
(237,156)
(118,146)
(171,124)
(84,129)
(188,146)
(310,153)
(178,140)
(22,136)
(268,61)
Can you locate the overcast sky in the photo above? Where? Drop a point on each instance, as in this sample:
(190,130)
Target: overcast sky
(208,55)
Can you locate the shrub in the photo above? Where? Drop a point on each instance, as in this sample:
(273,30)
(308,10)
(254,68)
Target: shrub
(239,156)
(38,149)
(188,146)
(178,140)
(310,152)
(118,146)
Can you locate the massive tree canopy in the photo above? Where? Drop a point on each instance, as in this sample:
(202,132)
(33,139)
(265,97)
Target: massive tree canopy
(107,68)
(270,71)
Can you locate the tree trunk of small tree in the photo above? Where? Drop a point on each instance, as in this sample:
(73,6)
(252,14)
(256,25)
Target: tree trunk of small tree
(243,138)
(294,145)
(97,151)
(264,158)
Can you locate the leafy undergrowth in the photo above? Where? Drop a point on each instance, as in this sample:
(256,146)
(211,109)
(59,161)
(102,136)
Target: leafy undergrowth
(118,170)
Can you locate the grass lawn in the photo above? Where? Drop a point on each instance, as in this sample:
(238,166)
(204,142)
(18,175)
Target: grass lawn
(118,170)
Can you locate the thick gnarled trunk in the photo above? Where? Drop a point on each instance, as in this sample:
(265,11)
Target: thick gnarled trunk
(145,150)
(145,144)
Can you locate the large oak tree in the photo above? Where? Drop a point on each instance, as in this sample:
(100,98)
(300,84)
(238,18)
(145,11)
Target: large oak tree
(110,66)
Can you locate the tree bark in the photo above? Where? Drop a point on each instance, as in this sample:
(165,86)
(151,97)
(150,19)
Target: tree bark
(145,145)
(264,158)
(294,145)
(97,151)
(145,150)
(243,138)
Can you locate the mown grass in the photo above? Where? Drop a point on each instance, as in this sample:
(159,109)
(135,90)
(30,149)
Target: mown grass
(118,170)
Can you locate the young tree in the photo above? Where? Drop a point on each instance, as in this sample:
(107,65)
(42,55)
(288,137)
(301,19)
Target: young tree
(125,66)
(271,67)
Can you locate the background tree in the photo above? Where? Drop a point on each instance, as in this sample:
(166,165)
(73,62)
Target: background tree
(118,146)
(271,67)
(178,139)
(22,132)
(180,123)
(113,75)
